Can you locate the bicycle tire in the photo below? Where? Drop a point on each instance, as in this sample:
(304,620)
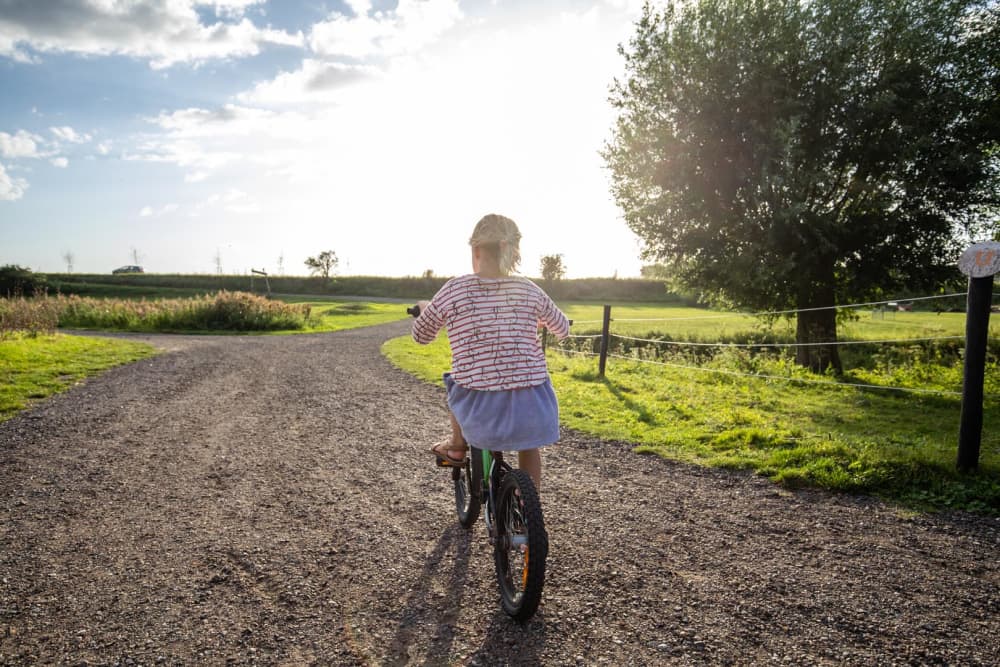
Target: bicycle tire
(468,489)
(521,547)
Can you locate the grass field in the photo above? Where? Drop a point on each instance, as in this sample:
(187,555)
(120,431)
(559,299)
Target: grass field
(701,324)
(34,367)
(896,444)
(337,315)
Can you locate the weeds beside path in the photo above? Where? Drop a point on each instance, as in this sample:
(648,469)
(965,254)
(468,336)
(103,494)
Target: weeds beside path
(268,500)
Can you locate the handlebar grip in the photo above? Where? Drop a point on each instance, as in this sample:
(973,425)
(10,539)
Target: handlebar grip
(414,311)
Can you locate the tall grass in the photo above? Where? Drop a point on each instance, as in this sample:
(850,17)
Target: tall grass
(224,311)
(32,316)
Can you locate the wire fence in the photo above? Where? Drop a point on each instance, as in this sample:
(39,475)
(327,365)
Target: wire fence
(606,343)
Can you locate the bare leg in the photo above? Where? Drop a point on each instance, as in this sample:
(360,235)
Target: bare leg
(530,461)
(457,440)
(452,448)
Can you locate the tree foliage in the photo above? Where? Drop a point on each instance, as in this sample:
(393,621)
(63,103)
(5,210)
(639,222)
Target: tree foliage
(552,268)
(19,281)
(322,264)
(797,154)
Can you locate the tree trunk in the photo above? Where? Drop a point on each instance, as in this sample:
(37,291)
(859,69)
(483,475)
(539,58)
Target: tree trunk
(818,326)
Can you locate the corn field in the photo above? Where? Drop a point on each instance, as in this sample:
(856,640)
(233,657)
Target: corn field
(224,311)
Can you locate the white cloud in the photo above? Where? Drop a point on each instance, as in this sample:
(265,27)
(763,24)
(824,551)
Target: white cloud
(165,32)
(315,81)
(104,147)
(11,188)
(195,177)
(631,7)
(149,211)
(232,200)
(204,140)
(66,133)
(20,145)
(237,201)
(230,7)
(412,25)
(60,162)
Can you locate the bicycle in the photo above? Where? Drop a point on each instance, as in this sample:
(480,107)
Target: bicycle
(514,522)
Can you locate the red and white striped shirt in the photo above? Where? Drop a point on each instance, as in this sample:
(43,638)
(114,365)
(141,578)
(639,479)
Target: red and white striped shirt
(493,330)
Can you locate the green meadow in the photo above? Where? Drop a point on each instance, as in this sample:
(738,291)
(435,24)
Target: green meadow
(703,324)
(895,438)
(35,367)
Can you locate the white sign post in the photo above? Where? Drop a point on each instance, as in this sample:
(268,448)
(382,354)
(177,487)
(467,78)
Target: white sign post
(979,262)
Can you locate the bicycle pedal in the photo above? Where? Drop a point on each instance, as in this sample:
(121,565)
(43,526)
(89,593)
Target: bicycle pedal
(444,463)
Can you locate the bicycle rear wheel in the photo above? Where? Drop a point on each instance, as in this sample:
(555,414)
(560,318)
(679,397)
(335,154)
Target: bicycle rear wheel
(521,547)
(468,481)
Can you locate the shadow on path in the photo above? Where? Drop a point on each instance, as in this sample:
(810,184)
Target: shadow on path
(506,637)
(423,608)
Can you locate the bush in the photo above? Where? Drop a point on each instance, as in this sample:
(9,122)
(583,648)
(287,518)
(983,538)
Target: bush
(28,316)
(19,281)
(225,311)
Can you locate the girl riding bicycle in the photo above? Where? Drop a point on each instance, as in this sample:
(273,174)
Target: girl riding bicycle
(499,391)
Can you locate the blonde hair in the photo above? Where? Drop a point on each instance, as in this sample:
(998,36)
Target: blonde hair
(499,236)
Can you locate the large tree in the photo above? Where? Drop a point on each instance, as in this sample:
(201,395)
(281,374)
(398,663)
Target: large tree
(796,154)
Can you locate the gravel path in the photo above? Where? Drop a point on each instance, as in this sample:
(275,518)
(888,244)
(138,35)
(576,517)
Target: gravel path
(268,500)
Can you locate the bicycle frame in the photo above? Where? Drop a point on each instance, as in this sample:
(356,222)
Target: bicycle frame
(489,462)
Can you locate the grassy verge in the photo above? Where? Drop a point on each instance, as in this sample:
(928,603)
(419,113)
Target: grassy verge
(337,315)
(34,367)
(899,446)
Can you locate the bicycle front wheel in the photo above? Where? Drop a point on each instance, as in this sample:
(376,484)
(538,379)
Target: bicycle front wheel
(521,547)
(468,481)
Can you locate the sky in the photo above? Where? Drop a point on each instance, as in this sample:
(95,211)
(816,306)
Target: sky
(251,134)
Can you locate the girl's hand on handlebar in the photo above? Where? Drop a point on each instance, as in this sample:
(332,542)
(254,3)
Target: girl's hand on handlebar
(417,309)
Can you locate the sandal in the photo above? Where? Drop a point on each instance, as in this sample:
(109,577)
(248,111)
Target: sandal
(449,455)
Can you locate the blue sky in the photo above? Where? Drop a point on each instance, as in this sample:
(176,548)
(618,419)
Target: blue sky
(259,132)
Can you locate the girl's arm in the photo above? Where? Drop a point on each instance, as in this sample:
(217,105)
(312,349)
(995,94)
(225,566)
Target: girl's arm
(428,323)
(553,318)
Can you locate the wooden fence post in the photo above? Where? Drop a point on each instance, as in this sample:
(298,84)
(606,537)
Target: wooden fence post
(605,337)
(979,262)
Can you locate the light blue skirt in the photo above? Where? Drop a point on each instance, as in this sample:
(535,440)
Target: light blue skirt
(510,420)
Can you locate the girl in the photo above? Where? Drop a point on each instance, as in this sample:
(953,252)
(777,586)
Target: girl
(499,390)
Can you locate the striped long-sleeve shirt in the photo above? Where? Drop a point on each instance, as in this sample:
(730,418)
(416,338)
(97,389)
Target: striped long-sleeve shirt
(492,326)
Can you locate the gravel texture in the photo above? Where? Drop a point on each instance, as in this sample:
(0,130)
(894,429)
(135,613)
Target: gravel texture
(269,500)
